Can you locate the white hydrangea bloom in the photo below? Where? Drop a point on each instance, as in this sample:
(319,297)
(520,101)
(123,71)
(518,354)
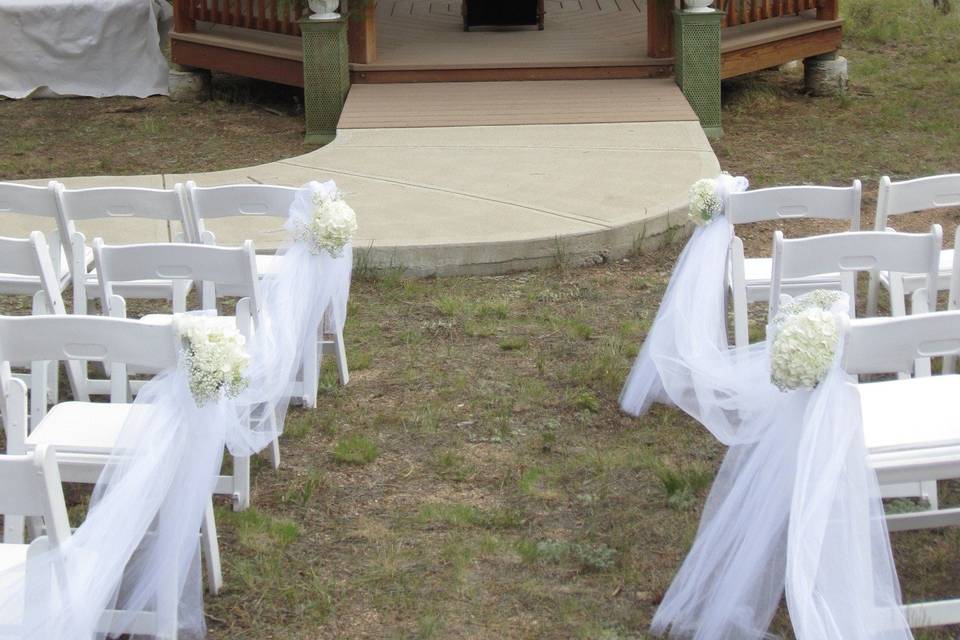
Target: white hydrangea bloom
(803,348)
(215,356)
(704,203)
(332,226)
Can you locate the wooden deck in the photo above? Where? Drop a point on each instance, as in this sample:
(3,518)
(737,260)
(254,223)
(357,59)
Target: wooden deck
(460,104)
(425,40)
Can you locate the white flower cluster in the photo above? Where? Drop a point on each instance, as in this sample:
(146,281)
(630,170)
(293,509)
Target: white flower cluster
(704,203)
(215,356)
(332,225)
(804,342)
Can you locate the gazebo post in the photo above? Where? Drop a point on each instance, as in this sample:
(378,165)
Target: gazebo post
(362,31)
(660,28)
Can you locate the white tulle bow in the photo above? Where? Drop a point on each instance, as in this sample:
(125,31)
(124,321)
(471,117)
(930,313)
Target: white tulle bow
(795,505)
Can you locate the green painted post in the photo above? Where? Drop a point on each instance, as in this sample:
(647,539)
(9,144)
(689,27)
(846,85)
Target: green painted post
(697,64)
(326,76)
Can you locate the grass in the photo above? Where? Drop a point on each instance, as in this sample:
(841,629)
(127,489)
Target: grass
(460,489)
(355,449)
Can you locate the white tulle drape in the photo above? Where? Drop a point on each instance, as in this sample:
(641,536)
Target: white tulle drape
(795,507)
(137,549)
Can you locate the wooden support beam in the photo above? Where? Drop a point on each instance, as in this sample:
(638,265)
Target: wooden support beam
(660,28)
(362,32)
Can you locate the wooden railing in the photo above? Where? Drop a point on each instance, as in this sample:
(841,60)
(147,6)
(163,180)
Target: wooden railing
(747,11)
(262,15)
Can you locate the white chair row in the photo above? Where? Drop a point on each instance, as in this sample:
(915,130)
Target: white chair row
(911,424)
(184,207)
(84,433)
(749,278)
(219,268)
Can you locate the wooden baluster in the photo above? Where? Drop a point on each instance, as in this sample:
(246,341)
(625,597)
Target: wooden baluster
(183,21)
(236,12)
(732,13)
(248,14)
(828,10)
(271,15)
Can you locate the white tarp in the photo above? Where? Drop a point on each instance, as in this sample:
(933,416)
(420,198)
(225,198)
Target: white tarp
(83,47)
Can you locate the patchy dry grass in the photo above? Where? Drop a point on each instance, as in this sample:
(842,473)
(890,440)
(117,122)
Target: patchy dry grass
(476,478)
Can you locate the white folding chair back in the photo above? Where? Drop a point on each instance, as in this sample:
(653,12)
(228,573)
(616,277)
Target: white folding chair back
(77,205)
(851,252)
(115,342)
(911,426)
(901,198)
(260,201)
(233,267)
(39,202)
(749,278)
(237,200)
(793,202)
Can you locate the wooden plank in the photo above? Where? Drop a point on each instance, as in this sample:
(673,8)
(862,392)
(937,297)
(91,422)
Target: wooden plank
(771,54)
(514,103)
(374,76)
(236,62)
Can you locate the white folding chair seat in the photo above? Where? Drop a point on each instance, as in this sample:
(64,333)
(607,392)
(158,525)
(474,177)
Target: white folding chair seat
(81,427)
(77,205)
(268,201)
(85,433)
(757,274)
(928,405)
(903,198)
(748,279)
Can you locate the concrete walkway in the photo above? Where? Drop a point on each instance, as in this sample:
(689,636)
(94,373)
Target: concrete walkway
(477,200)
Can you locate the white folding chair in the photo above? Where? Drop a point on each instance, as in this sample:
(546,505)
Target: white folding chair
(900,198)
(847,254)
(749,278)
(40,202)
(31,489)
(30,259)
(911,426)
(76,205)
(84,433)
(266,201)
(219,268)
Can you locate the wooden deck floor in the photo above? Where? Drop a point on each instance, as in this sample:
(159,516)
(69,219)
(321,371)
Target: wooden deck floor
(413,34)
(458,104)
